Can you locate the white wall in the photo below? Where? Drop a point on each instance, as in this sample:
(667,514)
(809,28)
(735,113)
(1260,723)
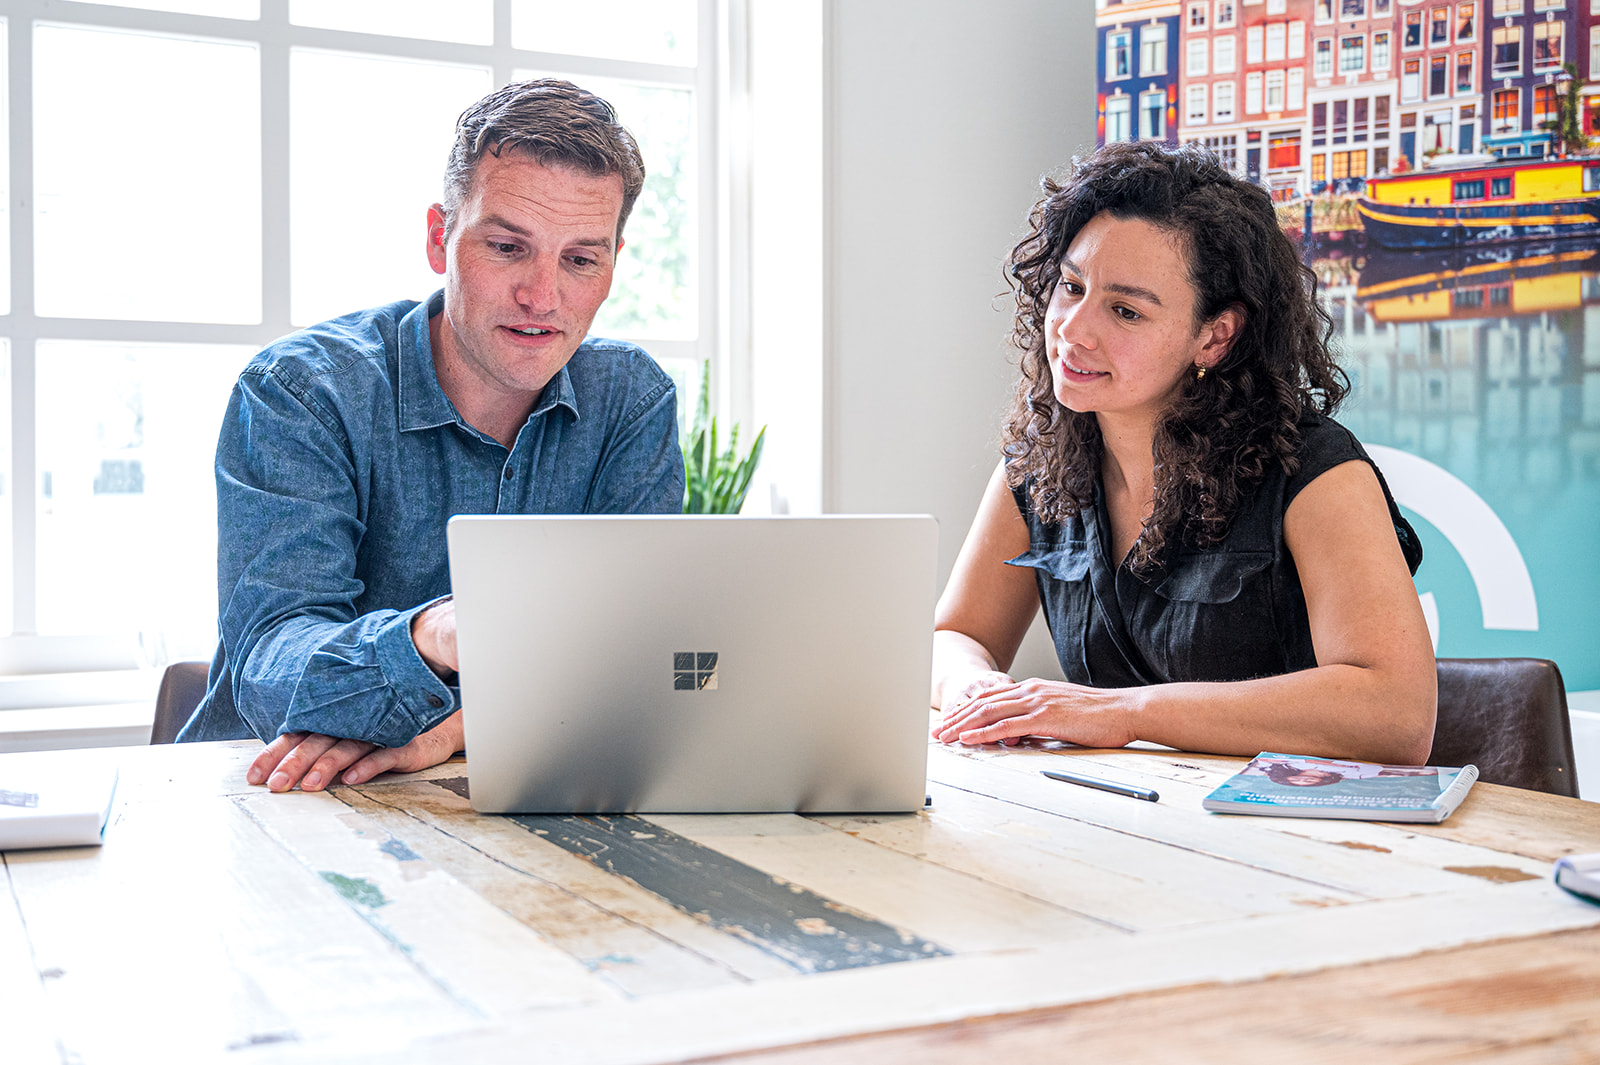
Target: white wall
(939,118)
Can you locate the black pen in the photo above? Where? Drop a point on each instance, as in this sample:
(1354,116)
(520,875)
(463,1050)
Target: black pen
(1103,785)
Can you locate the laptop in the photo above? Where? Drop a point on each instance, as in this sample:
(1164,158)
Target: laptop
(687,664)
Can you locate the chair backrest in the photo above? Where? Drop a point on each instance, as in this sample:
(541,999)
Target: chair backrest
(182,687)
(1508,717)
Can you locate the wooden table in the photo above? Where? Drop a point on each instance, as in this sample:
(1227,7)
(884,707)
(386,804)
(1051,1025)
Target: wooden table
(1016,919)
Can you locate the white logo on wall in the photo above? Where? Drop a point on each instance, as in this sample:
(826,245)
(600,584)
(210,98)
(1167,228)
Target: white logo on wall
(1505,591)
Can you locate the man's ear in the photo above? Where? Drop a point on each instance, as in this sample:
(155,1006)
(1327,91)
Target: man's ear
(436,240)
(1223,331)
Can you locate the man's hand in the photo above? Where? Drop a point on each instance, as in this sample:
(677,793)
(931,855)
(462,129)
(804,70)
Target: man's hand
(313,760)
(433,631)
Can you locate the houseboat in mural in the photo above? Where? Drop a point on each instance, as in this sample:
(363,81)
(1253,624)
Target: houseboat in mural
(1482,282)
(1491,203)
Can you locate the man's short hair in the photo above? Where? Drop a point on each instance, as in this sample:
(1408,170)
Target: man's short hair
(554,122)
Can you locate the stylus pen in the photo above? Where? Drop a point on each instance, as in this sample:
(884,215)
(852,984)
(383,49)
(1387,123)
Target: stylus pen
(1103,785)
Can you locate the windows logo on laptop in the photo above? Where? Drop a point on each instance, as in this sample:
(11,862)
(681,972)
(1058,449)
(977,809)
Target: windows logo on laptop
(694,670)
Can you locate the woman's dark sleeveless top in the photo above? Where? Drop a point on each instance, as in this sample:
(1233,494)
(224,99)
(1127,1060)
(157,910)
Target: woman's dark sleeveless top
(1229,612)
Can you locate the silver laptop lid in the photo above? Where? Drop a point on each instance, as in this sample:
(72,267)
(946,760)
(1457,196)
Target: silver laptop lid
(694,664)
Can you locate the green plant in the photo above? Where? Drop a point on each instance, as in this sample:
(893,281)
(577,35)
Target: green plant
(715,482)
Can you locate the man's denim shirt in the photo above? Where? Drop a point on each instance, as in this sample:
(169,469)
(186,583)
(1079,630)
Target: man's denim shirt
(340,461)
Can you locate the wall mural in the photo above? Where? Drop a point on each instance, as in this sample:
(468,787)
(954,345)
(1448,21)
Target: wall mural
(1434,161)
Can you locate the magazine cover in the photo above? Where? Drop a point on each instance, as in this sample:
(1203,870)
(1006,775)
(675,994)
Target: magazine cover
(1299,786)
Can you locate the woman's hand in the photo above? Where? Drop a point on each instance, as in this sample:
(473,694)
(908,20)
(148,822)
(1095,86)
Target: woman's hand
(960,694)
(1090,717)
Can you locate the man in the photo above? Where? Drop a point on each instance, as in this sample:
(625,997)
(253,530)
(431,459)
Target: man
(347,446)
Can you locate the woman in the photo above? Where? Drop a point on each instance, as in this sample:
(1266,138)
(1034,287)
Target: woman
(1220,563)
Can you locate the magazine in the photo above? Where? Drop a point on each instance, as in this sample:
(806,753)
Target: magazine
(1289,785)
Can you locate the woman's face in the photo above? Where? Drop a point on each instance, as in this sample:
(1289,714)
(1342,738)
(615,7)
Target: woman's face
(1120,330)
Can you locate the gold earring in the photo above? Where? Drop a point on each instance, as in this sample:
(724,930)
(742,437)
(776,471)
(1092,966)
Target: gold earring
(1199,373)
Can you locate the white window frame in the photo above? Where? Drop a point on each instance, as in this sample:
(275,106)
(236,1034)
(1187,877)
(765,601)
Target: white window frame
(1559,30)
(1411,84)
(1297,39)
(1223,93)
(1156,131)
(1359,51)
(1322,58)
(1381,49)
(1152,50)
(1297,89)
(1227,14)
(1252,93)
(1272,99)
(1195,110)
(1225,54)
(1195,59)
(1277,42)
(1254,47)
(1124,111)
(65,659)
(1115,40)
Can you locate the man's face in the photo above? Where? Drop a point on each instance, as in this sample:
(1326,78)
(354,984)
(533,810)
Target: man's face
(527,263)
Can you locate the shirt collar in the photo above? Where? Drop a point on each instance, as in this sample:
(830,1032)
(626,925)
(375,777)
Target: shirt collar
(423,404)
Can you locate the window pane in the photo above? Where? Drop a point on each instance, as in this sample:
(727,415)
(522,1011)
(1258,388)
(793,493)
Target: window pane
(358,205)
(147,170)
(467,21)
(5,179)
(250,9)
(6,555)
(645,31)
(655,292)
(127,503)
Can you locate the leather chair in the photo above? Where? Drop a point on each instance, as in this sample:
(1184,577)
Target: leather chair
(1508,717)
(182,687)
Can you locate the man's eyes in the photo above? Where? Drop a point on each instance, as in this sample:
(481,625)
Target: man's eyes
(501,247)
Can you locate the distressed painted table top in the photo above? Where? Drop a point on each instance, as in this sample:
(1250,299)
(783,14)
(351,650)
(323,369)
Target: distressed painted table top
(1014,917)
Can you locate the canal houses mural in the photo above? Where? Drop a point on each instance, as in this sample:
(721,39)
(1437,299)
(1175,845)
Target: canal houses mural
(1439,163)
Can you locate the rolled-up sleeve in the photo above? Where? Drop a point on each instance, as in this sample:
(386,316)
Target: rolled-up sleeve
(291,503)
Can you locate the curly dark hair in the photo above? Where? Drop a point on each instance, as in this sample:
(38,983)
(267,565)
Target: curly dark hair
(1223,432)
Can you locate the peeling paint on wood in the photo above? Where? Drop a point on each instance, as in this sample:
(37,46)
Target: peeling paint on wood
(1500,874)
(358,890)
(809,932)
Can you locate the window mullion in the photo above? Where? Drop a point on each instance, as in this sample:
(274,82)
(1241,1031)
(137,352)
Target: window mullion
(275,171)
(23,331)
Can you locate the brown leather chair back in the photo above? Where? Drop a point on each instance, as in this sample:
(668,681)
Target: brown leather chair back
(183,685)
(1508,717)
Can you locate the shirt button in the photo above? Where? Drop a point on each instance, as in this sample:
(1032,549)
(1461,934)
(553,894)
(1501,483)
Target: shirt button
(510,473)
(435,702)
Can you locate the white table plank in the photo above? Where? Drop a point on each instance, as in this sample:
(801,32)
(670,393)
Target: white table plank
(189,908)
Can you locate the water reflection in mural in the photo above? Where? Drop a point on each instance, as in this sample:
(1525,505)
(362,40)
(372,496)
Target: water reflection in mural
(1477,384)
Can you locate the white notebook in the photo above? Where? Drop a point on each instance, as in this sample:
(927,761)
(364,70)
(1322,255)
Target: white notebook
(55,798)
